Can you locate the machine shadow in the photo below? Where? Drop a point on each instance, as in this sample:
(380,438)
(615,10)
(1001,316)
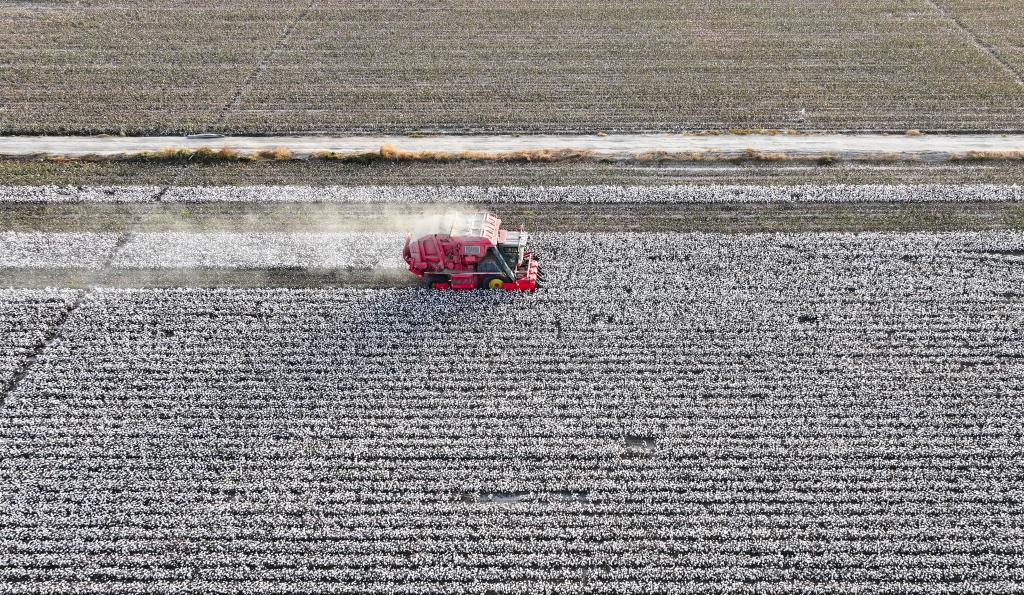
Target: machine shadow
(414,326)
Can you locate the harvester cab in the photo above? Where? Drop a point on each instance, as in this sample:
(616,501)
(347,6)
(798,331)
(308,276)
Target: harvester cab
(471,251)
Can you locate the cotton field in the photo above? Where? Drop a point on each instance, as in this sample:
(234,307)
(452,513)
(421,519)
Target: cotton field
(966,251)
(521,194)
(677,412)
(764,333)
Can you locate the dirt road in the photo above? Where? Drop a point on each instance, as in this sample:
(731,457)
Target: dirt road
(926,147)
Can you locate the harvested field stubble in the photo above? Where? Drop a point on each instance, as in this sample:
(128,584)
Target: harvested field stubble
(666,65)
(996,24)
(130,68)
(169,67)
(813,414)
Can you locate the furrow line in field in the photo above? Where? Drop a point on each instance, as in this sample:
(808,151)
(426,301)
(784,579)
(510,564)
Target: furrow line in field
(262,65)
(55,330)
(977,41)
(51,335)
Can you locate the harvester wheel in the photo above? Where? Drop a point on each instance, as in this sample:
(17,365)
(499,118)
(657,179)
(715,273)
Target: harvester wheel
(494,283)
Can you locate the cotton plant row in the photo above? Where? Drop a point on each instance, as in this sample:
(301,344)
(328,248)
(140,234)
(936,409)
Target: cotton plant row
(606,194)
(290,576)
(91,251)
(55,250)
(79,194)
(840,265)
(686,412)
(524,194)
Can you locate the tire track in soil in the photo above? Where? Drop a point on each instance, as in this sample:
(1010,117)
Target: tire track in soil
(262,64)
(55,330)
(51,335)
(976,40)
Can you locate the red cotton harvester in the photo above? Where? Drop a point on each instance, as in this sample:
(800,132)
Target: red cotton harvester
(472,251)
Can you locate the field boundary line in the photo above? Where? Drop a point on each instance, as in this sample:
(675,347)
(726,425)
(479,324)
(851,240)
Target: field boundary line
(262,64)
(977,40)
